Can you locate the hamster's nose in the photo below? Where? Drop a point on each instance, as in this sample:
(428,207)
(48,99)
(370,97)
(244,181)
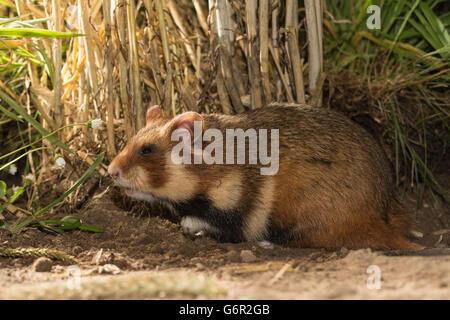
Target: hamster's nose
(114,171)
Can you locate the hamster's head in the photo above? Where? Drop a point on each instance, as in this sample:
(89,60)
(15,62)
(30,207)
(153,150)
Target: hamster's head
(145,167)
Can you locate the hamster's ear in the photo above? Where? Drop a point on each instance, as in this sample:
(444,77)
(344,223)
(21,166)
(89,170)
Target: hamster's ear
(153,113)
(190,121)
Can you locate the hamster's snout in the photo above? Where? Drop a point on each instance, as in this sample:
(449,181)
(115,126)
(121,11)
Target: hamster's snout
(114,171)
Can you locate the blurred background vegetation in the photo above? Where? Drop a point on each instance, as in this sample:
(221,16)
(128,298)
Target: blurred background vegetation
(66,63)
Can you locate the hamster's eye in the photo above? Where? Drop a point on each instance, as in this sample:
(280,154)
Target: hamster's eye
(146,150)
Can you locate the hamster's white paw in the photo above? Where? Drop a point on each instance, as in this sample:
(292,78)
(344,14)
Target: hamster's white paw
(265,244)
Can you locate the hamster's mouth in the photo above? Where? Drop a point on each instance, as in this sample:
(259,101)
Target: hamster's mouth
(139,195)
(130,192)
(134,192)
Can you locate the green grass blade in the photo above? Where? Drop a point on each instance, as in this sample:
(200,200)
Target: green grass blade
(7,4)
(403,25)
(13,104)
(27,23)
(48,64)
(91,228)
(2,189)
(10,114)
(436,25)
(36,33)
(64,195)
(20,157)
(10,20)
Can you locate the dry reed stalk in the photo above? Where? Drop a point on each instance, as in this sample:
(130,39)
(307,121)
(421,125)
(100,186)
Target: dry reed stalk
(155,66)
(238,80)
(252,54)
(275,57)
(227,108)
(297,67)
(42,111)
(314,28)
(264,47)
(38,14)
(88,46)
(168,85)
(221,27)
(82,82)
(275,53)
(319,18)
(187,97)
(183,33)
(182,91)
(167,91)
(7,90)
(274,43)
(121,23)
(58,107)
(293,49)
(201,17)
(198,53)
(162,28)
(111,149)
(82,101)
(134,69)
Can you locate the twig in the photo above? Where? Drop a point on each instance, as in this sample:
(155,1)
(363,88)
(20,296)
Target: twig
(280,273)
(36,252)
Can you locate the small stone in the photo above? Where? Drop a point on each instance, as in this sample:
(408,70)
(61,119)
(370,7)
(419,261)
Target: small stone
(344,251)
(42,264)
(200,267)
(233,256)
(247,256)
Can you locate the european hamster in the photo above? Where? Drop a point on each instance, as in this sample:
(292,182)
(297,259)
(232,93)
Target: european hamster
(323,181)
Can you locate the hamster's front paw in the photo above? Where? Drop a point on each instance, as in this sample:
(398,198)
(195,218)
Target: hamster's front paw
(194,227)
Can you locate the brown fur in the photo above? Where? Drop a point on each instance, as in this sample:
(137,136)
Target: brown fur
(334,187)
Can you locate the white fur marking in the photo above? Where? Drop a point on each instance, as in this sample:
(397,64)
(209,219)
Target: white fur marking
(266,244)
(193,225)
(255,226)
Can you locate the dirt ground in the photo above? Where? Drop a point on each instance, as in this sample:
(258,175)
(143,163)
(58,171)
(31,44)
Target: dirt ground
(143,255)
